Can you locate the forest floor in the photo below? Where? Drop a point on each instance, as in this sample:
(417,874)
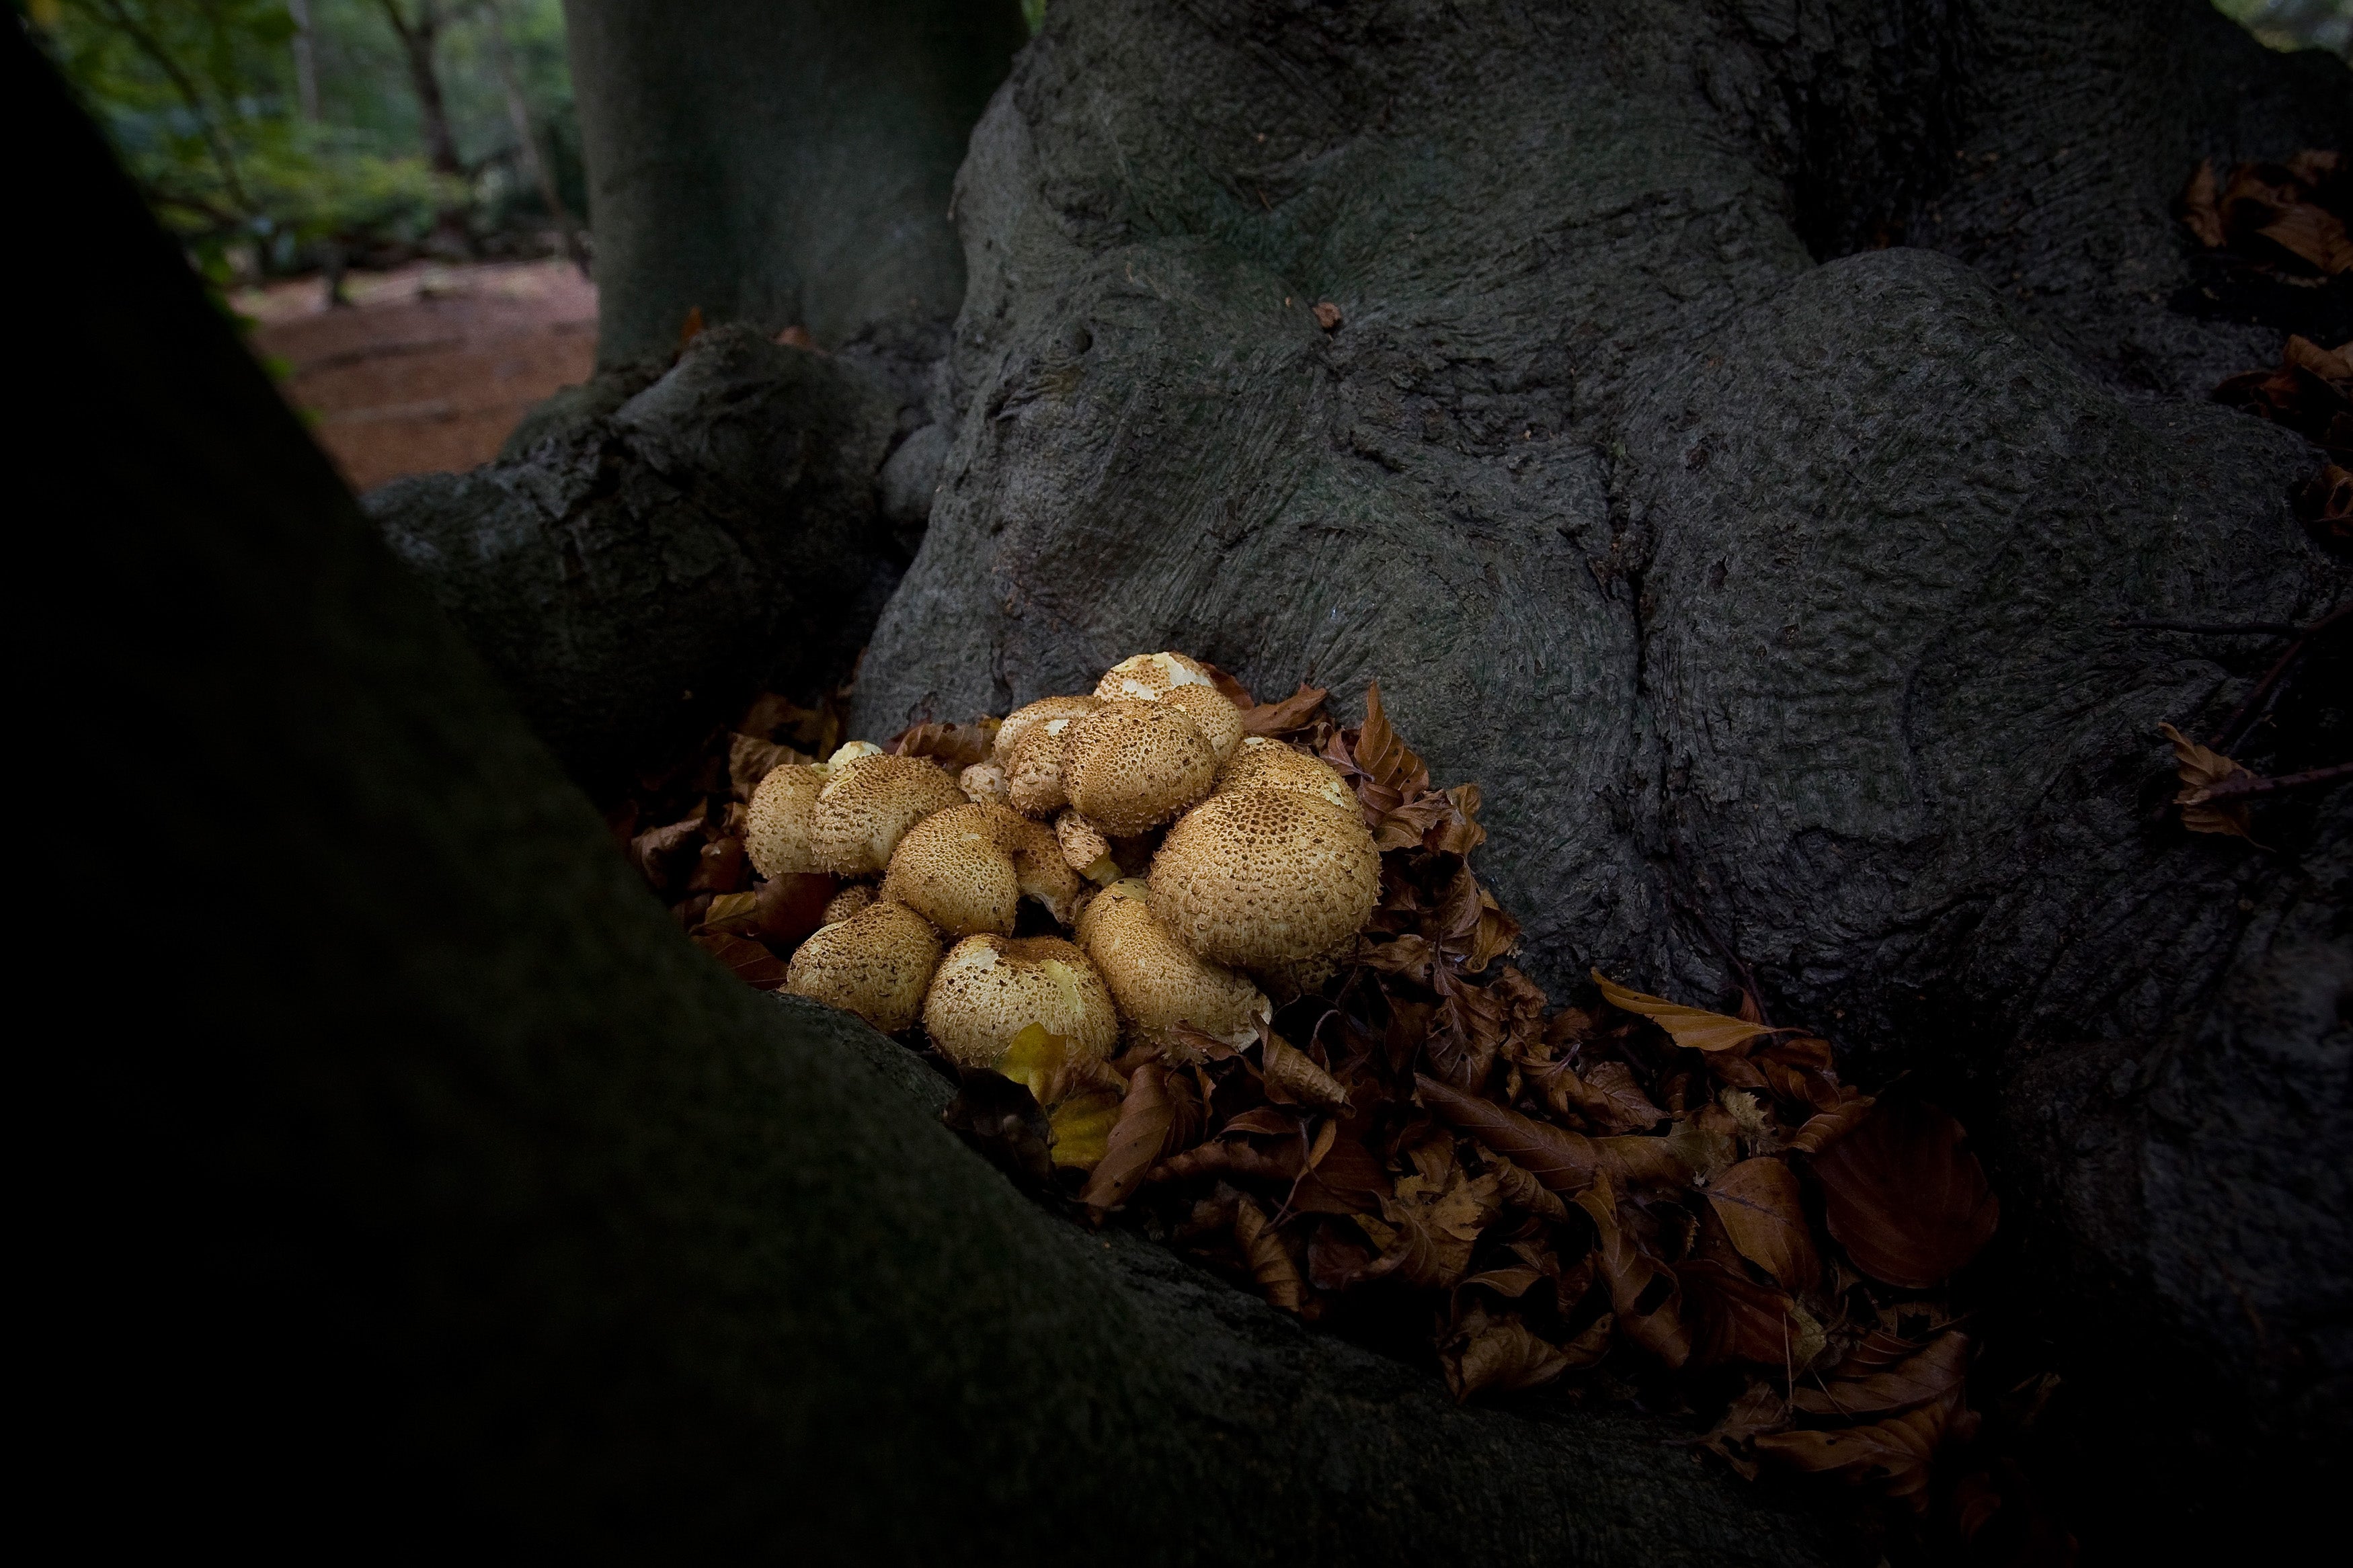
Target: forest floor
(430,365)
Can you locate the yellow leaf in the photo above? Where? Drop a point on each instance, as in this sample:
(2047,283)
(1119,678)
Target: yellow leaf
(1694,1028)
(1081,1127)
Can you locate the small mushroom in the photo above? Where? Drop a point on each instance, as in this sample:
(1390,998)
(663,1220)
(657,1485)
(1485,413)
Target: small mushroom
(1132,764)
(965,868)
(1085,850)
(983,784)
(990,988)
(1261,763)
(1033,780)
(869,803)
(1221,721)
(778,824)
(1263,879)
(847,902)
(876,964)
(852,752)
(1149,676)
(1156,981)
(1018,725)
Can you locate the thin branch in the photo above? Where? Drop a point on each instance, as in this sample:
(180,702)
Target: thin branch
(2243,718)
(2238,786)
(2219,628)
(148,46)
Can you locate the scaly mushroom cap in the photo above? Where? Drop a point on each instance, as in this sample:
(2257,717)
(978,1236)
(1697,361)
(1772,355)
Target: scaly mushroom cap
(1023,720)
(847,902)
(876,965)
(983,784)
(1156,981)
(1131,766)
(990,988)
(1033,779)
(1266,878)
(1149,676)
(1219,720)
(1084,850)
(966,869)
(778,827)
(1261,763)
(869,803)
(1038,866)
(955,869)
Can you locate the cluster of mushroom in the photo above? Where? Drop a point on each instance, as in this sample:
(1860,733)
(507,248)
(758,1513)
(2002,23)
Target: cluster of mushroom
(1256,872)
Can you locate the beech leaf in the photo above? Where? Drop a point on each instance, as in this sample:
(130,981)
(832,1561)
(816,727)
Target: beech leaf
(1867,1391)
(1694,1028)
(1758,1202)
(1907,1200)
(754,965)
(1501,1355)
(1294,712)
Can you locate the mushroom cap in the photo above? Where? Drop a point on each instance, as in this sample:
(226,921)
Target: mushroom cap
(779,825)
(869,803)
(983,784)
(1033,777)
(1131,766)
(955,869)
(1084,850)
(1156,981)
(1023,720)
(966,869)
(876,964)
(990,988)
(1263,763)
(1219,720)
(1266,878)
(1149,676)
(847,902)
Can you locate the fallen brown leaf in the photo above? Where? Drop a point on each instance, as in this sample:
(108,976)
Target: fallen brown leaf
(1646,1298)
(1694,1028)
(1732,1318)
(753,963)
(1499,1355)
(1763,1213)
(1294,713)
(2200,768)
(1148,1117)
(1821,1130)
(1859,1388)
(1897,1451)
(1292,1077)
(1908,1201)
(1271,1262)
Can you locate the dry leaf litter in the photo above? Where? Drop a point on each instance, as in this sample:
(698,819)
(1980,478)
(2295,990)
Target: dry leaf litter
(1222,969)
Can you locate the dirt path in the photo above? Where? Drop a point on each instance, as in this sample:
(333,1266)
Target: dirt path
(432,364)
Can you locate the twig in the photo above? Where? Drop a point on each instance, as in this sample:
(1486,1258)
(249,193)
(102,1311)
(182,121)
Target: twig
(2218,628)
(2239,785)
(1747,979)
(2257,701)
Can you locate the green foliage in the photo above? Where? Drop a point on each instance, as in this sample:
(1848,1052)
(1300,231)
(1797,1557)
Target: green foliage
(202,101)
(2296,24)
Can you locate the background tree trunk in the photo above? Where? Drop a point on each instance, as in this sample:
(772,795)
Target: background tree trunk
(420,1184)
(785,164)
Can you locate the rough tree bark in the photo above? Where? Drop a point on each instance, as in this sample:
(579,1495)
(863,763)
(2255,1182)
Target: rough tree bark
(414,1182)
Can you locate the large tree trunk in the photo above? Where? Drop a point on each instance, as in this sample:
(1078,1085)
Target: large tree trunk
(412,1181)
(1757,575)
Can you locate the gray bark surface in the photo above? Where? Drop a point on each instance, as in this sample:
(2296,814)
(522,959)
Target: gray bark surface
(418,1183)
(1745,568)
(661,544)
